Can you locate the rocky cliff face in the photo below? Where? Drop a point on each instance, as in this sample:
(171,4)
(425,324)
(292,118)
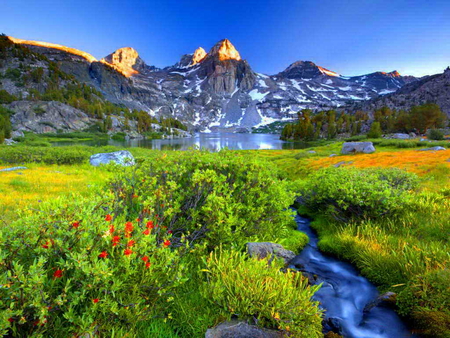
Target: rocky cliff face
(219,89)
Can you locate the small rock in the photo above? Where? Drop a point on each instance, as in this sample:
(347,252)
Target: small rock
(241,329)
(387,299)
(122,157)
(13,168)
(401,136)
(312,152)
(337,165)
(17,133)
(433,149)
(261,250)
(9,141)
(333,155)
(357,147)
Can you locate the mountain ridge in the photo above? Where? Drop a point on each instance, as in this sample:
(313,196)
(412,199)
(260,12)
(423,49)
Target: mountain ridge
(219,89)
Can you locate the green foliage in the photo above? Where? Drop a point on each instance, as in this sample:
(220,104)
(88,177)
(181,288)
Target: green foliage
(6,97)
(170,122)
(218,198)
(435,134)
(375,130)
(13,74)
(295,241)
(250,288)
(5,124)
(347,193)
(47,155)
(70,274)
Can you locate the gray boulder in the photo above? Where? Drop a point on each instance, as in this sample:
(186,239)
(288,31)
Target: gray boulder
(241,329)
(13,169)
(17,133)
(357,147)
(401,136)
(262,250)
(122,157)
(433,149)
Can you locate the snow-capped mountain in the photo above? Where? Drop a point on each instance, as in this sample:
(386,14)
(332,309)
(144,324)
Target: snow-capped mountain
(217,89)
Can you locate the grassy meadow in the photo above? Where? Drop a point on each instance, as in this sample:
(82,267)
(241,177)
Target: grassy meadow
(190,214)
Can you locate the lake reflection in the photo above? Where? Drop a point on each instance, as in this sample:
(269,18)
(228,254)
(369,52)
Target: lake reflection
(210,141)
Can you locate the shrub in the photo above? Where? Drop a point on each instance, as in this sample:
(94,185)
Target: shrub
(6,97)
(48,155)
(435,134)
(249,288)
(348,193)
(218,198)
(80,272)
(375,130)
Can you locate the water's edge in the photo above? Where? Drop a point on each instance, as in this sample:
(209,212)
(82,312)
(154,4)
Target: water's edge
(345,293)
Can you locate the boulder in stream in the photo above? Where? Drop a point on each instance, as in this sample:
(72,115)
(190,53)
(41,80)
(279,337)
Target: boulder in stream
(241,329)
(387,299)
(261,250)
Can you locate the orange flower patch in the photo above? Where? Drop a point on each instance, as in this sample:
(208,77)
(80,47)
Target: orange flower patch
(419,162)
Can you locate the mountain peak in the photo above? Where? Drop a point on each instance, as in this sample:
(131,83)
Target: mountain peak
(198,56)
(123,60)
(306,69)
(225,50)
(394,74)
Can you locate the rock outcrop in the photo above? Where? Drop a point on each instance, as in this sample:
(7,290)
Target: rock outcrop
(357,147)
(121,157)
(47,117)
(241,329)
(262,250)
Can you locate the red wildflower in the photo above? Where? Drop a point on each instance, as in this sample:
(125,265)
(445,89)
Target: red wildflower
(57,274)
(76,224)
(45,246)
(128,229)
(130,243)
(166,243)
(170,232)
(103,254)
(146,232)
(164,227)
(127,252)
(95,300)
(138,220)
(115,240)
(108,218)
(145,259)
(134,196)
(150,225)
(10,320)
(148,264)
(111,229)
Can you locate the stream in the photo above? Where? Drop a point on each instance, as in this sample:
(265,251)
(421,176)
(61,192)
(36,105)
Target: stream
(345,293)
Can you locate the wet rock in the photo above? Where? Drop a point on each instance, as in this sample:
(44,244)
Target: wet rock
(262,250)
(357,147)
(241,329)
(387,299)
(13,169)
(433,149)
(122,157)
(332,324)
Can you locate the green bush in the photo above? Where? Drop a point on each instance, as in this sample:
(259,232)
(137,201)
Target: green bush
(375,130)
(78,272)
(346,193)
(48,155)
(6,97)
(295,241)
(249,288)
(219,198)
(435,134)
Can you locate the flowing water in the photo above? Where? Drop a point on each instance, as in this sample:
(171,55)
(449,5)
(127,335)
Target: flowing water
(344,294)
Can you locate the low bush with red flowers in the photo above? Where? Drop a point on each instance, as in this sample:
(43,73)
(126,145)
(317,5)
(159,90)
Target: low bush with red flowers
(128,260)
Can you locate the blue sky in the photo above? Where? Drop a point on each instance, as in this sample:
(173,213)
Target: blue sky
(351,37)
